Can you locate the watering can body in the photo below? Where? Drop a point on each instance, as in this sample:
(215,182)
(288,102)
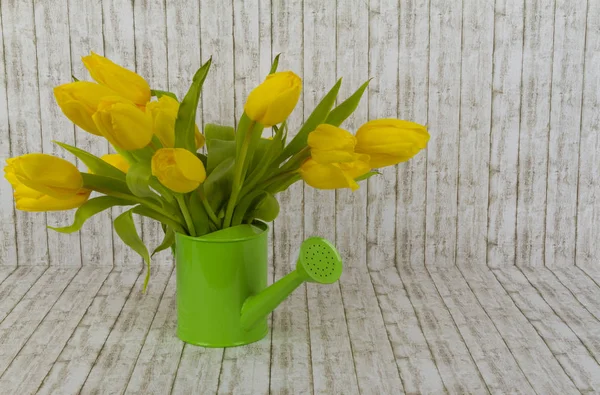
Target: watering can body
(215,276)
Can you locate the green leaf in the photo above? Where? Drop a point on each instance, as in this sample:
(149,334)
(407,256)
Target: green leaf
(244,204)
(274,64)
(150,213)
(366,176)
(93,163)
(318,116)
(203,158)
(344,110)
(75,79)
(266,210)
(217,186)
(126,230)
(89,209)
(104,184)
(185,125)
(218,132)
(199,214)
(167,242)
(159,94)
(138,181)
(218,151)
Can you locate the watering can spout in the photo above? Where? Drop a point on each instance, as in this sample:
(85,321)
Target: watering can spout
(319,262)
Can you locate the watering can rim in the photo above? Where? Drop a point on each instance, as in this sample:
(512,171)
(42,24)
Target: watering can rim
(202,239)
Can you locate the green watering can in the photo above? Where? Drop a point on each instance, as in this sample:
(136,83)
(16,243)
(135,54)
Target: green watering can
(222,294)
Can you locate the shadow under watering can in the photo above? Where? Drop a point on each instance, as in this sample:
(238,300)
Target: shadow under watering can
(222,294)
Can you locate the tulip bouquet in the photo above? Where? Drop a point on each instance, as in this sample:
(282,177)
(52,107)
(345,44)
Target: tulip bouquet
(158,169)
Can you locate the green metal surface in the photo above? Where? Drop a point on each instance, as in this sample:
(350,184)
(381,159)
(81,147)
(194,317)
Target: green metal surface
(222,294)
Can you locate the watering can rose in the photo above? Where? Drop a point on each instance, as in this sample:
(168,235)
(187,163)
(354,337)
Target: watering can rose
(178,169)
(125,82)
(79,101)
(164,114)
(390,141)
(330,144)
(335,175)
(274,100)
(123,124)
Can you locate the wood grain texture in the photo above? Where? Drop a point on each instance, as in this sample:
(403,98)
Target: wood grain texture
(87,35)
(474,134)
(588,211)
(575,358)
(23,99)
(443,121)
(16,285)
(198,371)
(76,359)
(534,128)
(413,96)
(536,360)
(28,369)
(565,123)
(583,287)
(504,147)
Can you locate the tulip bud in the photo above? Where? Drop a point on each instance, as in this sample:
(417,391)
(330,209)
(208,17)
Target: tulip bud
(334,175)
(125,82)
(272,101)
(117,161)
(123,124)
(79,101)
(330,144)
(390,141)
(178,169)
(164,114)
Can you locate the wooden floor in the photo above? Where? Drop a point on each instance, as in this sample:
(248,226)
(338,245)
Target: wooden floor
(450,330)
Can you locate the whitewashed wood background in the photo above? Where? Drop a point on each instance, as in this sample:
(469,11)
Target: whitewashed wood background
(510,90)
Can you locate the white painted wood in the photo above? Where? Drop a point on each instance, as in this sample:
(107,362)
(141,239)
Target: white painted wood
(27,371)
(565,122)
(6,271)
(454,361)
(542,370)
(418,369)
(584,288)
(16,285)
(443,121)
(23,99)
(534,128)
(117,359)
(506,88)
(22,321)
(159,358)
(567,348)
(499,368)
(8,243)
(588,213)
(119,46)
(413,94)
(198,371)
(76,359)
(474,135)
(86,35)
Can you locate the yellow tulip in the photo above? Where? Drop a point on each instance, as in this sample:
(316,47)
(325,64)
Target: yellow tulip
(79,101)
(117,161)
(272,101)
(330,144)
(178,169)
(164,113)
(334,175)
(29,199)
(46,174)
(390,141)
(125,82)
(123,124)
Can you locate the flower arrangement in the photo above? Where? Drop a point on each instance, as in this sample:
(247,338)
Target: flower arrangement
(160,173)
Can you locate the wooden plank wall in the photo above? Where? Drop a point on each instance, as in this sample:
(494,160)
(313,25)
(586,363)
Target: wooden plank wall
(510,90)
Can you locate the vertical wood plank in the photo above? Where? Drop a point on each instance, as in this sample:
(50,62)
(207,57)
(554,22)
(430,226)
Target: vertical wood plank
(588,213)
(413,93)
(291,366)
(22,92)
(8,241)
(565,123)
(533,139)
(474,136)
(443,120)
(151,62)
(506,85)
(85,37)
(54,68)
(119,46)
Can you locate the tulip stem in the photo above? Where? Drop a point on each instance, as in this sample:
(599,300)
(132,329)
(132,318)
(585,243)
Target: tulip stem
(209,210)
(186,214)
(144,202)
(237,177)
